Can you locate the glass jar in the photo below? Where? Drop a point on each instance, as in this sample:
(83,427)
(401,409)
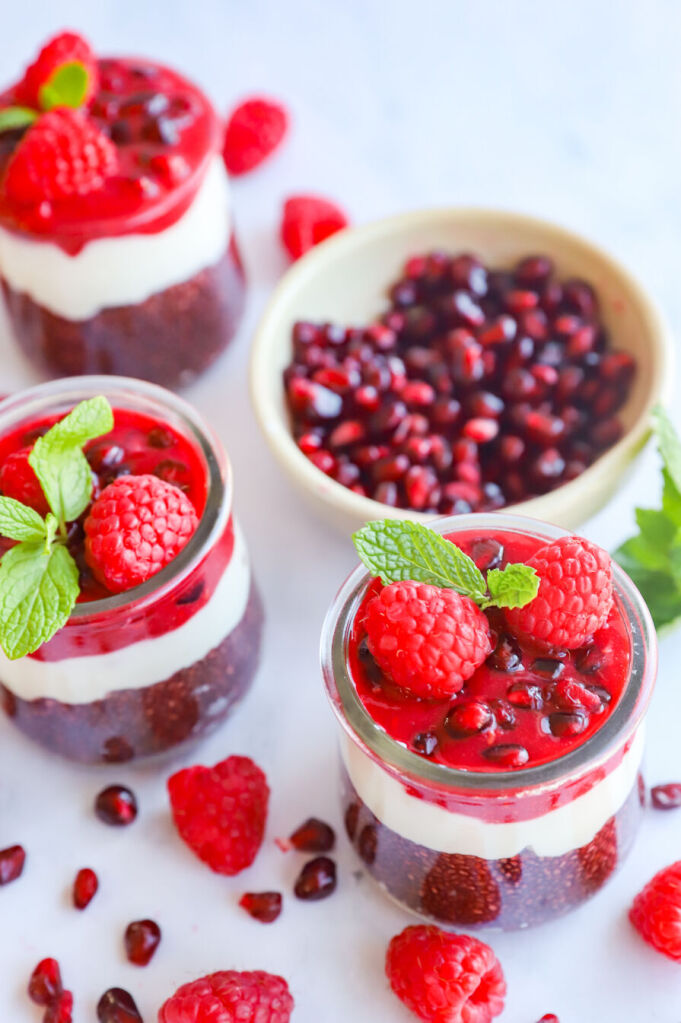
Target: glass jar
(506,849)
(160,666)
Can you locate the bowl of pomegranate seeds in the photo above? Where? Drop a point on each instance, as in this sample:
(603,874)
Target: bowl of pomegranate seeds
(456,360)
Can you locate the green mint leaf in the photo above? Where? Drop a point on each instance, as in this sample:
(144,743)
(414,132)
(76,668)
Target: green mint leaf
(396,550)
(668,444)
(19,522)
(38,590)
(66,87)
(671,499)
(512,586)
(59,463)
(16,117)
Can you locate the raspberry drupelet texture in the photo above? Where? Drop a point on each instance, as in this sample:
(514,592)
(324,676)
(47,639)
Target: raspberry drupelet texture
(230,997)
(427,639)
(254,130)
(575,594)
(221,812)
(445,978)
(656,912)
(307,221)
(65,48)
(135,527)
(17,480)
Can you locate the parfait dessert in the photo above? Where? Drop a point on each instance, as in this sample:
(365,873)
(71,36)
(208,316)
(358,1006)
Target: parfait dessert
(491,679)
(117,251)
(129,621)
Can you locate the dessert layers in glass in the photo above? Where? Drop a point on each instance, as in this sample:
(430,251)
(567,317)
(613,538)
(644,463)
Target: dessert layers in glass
(150,669)
(482,843)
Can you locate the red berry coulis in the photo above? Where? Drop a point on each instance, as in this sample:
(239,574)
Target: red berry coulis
(523,706)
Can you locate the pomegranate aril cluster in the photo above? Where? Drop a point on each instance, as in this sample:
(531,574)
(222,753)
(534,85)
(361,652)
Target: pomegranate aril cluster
(477,388)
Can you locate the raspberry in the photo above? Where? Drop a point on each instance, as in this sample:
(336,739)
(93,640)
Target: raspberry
(656,912)
(307,221)
(598,859)
(62,154)
(135,527)
(221,811)
(18,480)
(230,997)
(460,890)
(445,978)
(575,594)
(428,640)
(253,132)
(66,48)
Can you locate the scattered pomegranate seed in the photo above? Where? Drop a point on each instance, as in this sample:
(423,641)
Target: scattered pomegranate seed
(262,906)
(317,879)
(142,938)
(11,863)
(45,984)
(117,1006)
(116,805)
(61,1010)
(313,836)
(666,797)
(550,1017)
(84,887)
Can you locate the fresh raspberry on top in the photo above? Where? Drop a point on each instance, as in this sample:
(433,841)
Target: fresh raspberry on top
(18,480)
(254,130)
(221,812)
(62,154)
(656,912)
(445,978)
(65,48)
(427,639)
(575,594)
(307,221)
(137,525)
(230,997)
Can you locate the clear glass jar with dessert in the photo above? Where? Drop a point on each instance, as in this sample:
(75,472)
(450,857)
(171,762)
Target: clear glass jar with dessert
(143,669)
(117,248)
(516,798)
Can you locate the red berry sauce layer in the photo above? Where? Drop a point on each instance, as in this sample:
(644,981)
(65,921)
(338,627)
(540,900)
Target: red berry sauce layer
(164,129)
(477,388)
(524,706)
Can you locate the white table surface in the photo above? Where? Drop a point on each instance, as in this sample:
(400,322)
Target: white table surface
(566,110)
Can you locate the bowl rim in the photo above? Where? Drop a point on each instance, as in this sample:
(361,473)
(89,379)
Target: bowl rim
(277,431)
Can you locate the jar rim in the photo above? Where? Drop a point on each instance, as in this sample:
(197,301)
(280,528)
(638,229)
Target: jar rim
(146,397)
(366,733)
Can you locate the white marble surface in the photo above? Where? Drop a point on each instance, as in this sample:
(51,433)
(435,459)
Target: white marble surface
(566,110)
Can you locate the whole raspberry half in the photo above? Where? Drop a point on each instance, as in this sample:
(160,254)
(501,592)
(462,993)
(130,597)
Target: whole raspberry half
(61,155)
(65,48)
(230,997)
(427,639)
(656,912)
(137,525)
(307,221)
(254,130)
(445,978)
(575,594)
(221,812)
(18,480)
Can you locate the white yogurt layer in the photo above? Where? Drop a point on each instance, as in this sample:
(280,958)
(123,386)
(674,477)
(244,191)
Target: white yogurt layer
(125,270)
(84,679)
(552,834)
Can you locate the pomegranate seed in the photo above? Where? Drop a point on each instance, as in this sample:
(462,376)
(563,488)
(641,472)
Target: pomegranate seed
(116,805)
(117,1006)
(500,330)
(567,723)
(506,655)
(582,341)
(142,938)
(525,696)
(468,718)
(504,714)
(666,797)
(469,273)
(323,460)
(512,448)
(347,433)
(549,1017)
(262,906)
(571,695)
(487,553)
(418,393)
(84,888)
(549,668)
(486,405)
(481,430)
(60,1010)
(313,836)
(12,862)
(420,484)
(425,743)
(519,301)
(317,879)
(534,270)
(581,297)
(415,267)
(507,755)
(45,984)
(386,493)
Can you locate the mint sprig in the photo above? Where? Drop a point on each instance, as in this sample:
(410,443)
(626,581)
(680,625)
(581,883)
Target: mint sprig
(16,117)
(66,87)
(652,558)
(396,550)
(38,576)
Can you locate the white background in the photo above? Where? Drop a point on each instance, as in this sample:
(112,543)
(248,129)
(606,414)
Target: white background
(566,110)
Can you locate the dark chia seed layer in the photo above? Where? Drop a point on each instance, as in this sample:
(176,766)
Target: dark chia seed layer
(154,719)
(169,339)
(468,891)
